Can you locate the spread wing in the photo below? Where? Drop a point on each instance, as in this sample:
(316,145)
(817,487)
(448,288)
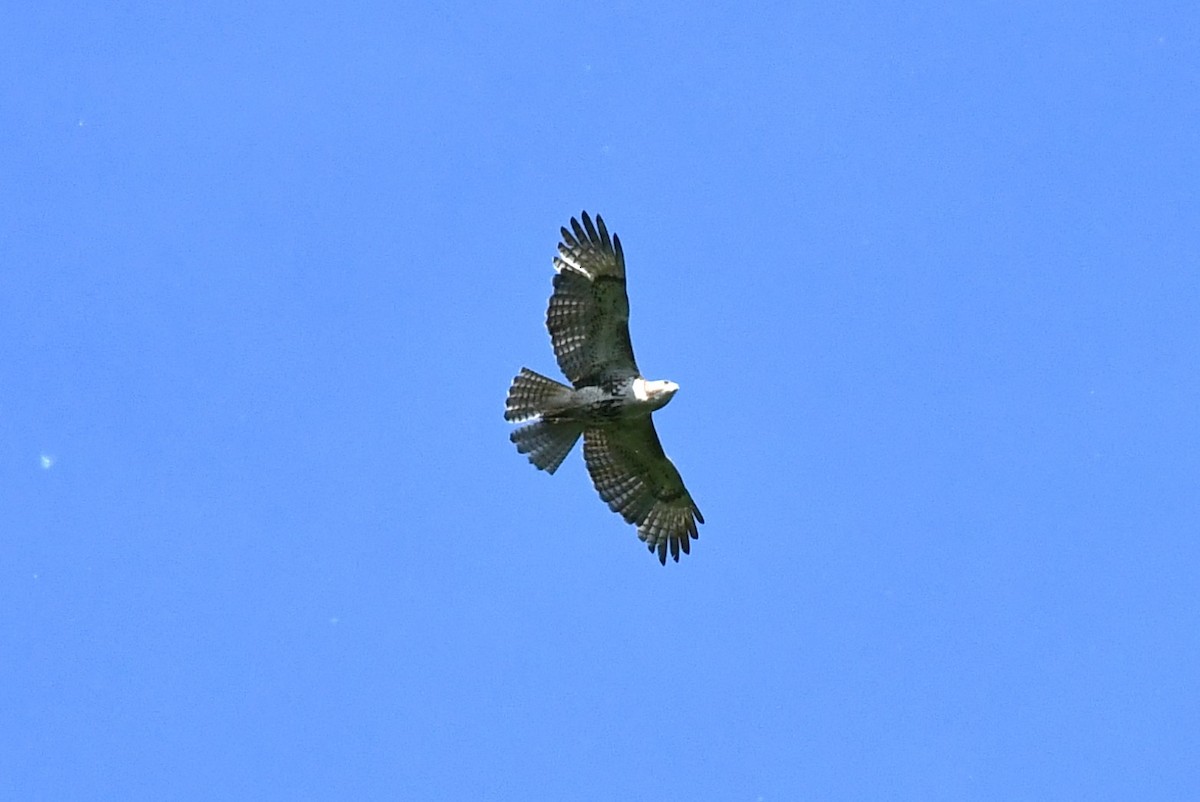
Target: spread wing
(631,473)
(588,316)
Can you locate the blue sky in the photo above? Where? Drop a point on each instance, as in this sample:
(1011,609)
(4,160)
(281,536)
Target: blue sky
(927,276)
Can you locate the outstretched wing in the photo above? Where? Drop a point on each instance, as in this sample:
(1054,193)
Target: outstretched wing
(588,316)
(631,473)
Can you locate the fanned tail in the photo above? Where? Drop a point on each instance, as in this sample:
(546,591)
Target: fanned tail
(546,443)
(533,394)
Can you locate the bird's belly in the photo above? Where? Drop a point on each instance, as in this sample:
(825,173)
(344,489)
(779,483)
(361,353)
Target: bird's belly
(609,409)
(601,411)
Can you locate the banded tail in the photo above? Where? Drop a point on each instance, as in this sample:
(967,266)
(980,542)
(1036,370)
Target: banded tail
(546,442)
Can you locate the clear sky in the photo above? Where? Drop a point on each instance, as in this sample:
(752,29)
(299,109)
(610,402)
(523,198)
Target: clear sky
(927,275)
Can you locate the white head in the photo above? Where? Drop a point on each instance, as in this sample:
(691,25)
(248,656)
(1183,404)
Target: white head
(655,393)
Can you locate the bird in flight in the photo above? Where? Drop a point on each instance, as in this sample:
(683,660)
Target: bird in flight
(609,402)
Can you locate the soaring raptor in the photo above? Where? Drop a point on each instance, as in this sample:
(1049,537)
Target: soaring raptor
(609,403)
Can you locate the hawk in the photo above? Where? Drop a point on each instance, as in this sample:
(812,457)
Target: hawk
(609,402)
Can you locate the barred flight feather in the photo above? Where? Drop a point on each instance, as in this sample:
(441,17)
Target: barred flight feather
(642,486)
(531,394)
(546,443)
